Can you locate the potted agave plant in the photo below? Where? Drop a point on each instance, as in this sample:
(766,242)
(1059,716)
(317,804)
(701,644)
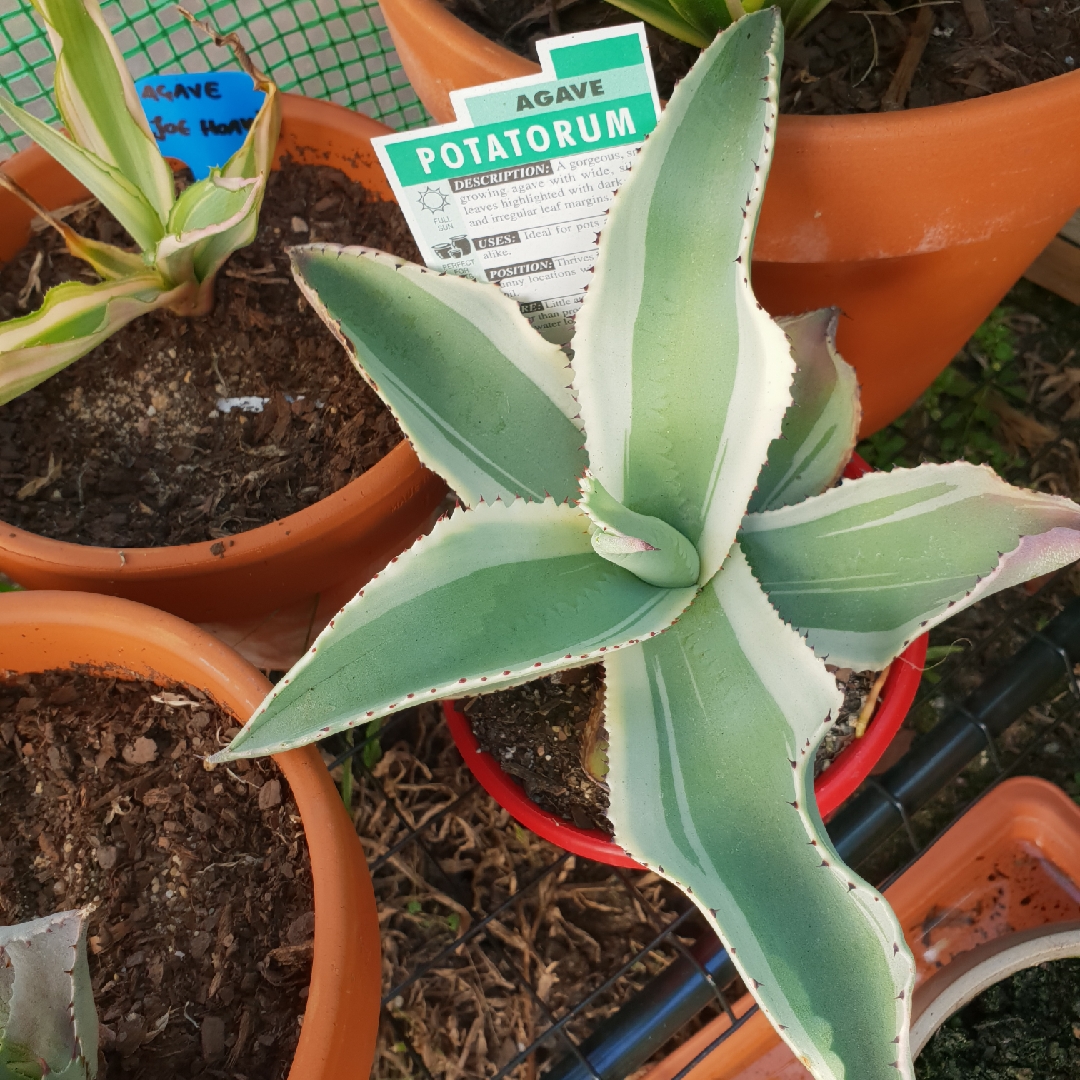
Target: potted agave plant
(935,210)
(183,242)
(115,638)
(48,1023)
(636,549)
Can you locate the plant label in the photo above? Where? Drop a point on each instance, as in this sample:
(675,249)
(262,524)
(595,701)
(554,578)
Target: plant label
(201,120)
(516,190)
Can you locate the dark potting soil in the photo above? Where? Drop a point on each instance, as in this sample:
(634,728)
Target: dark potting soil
(201,937)
(846,59)
(1025,1028)
(135,448)
(541,734)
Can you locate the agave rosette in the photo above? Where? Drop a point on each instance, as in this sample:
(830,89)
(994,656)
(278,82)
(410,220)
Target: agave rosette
(108,146)
(605,518)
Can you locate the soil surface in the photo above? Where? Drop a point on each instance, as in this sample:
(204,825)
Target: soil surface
(202,931)
(541,733)
(128,447)
(1025,1028)
(848,57)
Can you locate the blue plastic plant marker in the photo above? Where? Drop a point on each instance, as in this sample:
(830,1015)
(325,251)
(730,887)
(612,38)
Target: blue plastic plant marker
(201,120)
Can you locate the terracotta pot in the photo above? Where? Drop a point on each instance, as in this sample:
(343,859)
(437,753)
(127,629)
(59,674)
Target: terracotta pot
(40,631)
(1010,865)
(849,768)
(914,223)
(269,590)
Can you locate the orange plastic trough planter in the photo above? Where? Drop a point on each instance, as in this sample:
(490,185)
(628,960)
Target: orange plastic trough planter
(40,631)
(268,591)
(914,223)
(1010,864)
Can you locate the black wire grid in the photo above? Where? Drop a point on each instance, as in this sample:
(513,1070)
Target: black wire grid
(1034,744)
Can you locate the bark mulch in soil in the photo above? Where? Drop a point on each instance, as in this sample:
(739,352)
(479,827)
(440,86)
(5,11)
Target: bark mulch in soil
(848,60)
(128,448)
(537,733)
(202,930)
(1024,1028)
(468,1010)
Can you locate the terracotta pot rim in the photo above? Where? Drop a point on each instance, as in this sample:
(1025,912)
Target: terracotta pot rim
(848,770)
(44,630)
(311,519)
(459,34)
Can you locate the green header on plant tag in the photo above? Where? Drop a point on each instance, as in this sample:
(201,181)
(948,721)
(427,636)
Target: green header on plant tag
(595,56)
(528,138)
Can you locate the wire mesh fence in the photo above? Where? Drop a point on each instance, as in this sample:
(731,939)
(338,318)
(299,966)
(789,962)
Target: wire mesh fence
(330,49)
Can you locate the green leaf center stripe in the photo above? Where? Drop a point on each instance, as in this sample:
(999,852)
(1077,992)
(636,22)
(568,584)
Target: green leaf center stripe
(452,436)
(498,318)
(865,567)
(514,534)
(819,430)
(479,393)
(817,442)
(703,721)
(810,586)
(670,348)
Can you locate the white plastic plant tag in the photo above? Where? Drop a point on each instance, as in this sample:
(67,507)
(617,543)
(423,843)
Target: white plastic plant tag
(515,191)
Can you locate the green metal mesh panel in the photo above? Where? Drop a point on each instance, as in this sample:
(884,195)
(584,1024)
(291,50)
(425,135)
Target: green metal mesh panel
(333,49)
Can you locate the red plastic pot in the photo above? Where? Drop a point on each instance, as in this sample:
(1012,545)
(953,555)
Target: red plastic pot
(848,770)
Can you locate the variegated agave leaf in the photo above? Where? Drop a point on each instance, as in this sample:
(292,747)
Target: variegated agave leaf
(483,398)
(865,568)
(121,195)
(712,729)
(48,1023)
(437,623)
(219,219)
(73,319)
(97,99)
(681,375)
(818,434)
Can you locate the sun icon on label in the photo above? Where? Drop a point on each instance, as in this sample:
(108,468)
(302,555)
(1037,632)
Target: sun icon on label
(433,199)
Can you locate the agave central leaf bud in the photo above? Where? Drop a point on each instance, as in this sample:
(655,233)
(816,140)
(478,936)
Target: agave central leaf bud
(646,546)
